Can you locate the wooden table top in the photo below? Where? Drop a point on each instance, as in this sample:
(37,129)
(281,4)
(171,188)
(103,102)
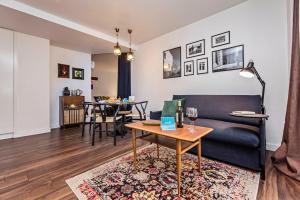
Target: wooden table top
(179,133)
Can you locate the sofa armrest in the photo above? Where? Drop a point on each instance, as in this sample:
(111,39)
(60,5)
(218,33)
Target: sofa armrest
(155,115)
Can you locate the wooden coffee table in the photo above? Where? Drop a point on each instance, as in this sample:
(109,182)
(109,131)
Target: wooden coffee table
(181,139)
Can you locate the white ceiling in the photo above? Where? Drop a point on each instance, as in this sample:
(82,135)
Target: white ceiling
(147,18)
(57,34)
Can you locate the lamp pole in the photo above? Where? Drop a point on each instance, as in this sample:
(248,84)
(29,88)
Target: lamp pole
(263,83)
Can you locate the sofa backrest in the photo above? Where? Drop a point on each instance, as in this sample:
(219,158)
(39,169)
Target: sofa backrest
(219,106)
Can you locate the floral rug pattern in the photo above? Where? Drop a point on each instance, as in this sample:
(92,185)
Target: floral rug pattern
(155,178)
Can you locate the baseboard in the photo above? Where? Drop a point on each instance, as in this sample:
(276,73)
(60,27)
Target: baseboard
(24,133)
(272,147)
(54,125)
(6,136)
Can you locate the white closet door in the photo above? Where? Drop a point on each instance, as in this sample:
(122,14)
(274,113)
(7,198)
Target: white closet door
(6,81)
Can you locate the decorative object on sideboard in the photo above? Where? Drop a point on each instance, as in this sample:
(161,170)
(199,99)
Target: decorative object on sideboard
(63,71)
(78,73)
(249,72)
(195,49)
(220,39)
(188,68)
(231,58)
(79,92)
(130,56)
(117,48)
(202,66)
(172,63)
(76,92)
(66,92)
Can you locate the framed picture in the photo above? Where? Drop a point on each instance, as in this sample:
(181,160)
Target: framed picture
(63,71)
(172,63)
(202,66)
(78,73)
(231,58)
(195,49)
(188,68)
(220,39)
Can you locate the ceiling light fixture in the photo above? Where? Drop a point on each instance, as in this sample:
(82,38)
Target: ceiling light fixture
(117,49)
(130,53)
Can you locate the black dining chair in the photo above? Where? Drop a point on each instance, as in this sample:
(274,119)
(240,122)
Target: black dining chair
(97,98)
(139,114)
(87,116)
(104,117)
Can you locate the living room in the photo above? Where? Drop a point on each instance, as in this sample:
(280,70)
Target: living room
(149,100)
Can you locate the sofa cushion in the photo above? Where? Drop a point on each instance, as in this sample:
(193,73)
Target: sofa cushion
(220,106)
(233,133)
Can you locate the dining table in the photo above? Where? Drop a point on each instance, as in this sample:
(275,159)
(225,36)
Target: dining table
(115,109)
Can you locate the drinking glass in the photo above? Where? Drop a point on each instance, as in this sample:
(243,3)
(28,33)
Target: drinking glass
(192,114)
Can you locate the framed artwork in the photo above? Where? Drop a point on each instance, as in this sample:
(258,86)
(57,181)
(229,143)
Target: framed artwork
(202,66)
(220,39)
(231,58)
(188,68)
(63,71)
(195,49)
(172,63)
(78,73)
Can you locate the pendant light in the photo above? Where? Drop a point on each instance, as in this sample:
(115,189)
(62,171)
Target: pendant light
(130,53)
(117,49)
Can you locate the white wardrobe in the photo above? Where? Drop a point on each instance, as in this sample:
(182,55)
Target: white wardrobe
(24,84)
(6,83)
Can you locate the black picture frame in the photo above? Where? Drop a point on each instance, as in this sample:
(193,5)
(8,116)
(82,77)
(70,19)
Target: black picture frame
(201,54)
(77,73)
(63,71)
(197,63)
(191,68)
(174,70)
(221,44)
(240,66)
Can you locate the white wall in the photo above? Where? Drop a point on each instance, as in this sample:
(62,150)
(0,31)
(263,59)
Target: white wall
(31,85)
(261,25)
(74,59)
(6,83)
(106,69)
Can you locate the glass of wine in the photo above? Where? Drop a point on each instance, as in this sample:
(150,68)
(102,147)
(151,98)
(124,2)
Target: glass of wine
(192,114)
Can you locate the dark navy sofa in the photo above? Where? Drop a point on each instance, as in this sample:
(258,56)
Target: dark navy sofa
(236,140)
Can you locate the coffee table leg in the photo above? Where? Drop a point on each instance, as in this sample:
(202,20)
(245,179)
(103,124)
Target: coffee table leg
(199,155)
(134,145)
(178,155)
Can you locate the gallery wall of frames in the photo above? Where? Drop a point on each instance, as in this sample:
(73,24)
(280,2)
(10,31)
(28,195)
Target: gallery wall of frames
(224,57)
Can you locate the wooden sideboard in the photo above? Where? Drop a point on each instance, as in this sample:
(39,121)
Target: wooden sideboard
(70,111)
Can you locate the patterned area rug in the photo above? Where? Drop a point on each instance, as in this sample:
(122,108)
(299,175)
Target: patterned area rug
(155,178)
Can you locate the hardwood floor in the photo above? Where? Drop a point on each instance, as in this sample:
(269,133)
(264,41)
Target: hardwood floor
(36,167)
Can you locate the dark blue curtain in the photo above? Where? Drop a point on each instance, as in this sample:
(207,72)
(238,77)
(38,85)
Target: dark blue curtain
(124,76)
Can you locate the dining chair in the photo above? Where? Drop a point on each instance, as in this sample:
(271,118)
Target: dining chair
(97,98)
(87,117)
(104,117)
(140,115)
